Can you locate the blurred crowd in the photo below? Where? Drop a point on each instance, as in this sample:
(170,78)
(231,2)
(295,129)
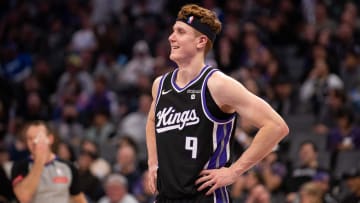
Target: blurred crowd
(87,66)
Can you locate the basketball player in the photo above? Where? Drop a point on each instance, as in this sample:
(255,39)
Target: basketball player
(192,118)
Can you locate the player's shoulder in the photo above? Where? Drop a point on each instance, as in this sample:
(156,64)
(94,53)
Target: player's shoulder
(220,80)
(159,78)
(218,74)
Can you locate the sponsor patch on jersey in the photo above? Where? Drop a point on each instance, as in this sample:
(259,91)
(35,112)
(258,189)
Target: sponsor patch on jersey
(60,179)
(193,91)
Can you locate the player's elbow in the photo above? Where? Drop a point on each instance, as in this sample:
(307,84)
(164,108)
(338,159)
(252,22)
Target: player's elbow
(22,195)
(283,129)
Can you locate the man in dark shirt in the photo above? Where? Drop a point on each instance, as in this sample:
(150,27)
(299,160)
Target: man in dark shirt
(353,182)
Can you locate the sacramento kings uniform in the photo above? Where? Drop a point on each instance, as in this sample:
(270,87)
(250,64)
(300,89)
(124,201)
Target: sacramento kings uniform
(59,180)
(192,134)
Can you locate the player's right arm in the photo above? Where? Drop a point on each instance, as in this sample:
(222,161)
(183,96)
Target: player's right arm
(151,139)
(25,185)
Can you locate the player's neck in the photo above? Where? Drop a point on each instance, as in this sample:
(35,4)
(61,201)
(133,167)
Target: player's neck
(189,70)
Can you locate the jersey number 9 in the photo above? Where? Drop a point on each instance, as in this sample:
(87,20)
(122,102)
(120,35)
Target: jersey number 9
(191,144)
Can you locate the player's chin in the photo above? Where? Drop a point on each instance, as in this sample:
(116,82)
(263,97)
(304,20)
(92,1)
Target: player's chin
(174,57)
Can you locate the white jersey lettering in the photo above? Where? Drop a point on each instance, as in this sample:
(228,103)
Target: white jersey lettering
(169,119)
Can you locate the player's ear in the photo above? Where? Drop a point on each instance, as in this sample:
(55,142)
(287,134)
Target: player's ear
(202,41)
(51,139)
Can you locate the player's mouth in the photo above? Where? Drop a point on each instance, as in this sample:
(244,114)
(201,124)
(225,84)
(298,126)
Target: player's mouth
(175,47)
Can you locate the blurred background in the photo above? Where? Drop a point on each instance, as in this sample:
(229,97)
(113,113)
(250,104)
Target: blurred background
(87,66)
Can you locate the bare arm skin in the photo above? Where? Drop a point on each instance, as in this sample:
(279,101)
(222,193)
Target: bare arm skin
(272,128)
(151,140)
(26,188)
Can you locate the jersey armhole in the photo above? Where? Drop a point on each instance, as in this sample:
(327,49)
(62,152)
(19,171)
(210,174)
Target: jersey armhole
(206,110)
(161,83)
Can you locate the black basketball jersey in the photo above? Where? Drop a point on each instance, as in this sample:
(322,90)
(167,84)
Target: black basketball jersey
(192,134)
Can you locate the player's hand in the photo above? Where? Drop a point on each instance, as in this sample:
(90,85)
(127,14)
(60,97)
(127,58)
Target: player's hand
(42,149)
(152,179)
(215,178)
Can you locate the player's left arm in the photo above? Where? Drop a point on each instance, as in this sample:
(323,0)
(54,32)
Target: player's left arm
(231,96)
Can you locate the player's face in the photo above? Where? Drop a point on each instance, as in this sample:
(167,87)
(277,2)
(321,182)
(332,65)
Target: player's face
(183,41)
(32,134)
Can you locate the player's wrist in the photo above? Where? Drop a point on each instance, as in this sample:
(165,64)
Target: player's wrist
(236,172)
(152,166)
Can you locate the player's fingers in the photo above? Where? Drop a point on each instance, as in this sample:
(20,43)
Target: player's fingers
(151,183)
(202,179)
(152,187)
(206,184)
(212,190)
(204,172)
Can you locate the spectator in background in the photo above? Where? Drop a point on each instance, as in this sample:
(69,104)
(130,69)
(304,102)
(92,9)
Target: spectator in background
(344,39)
(116,190)
(318,52)
(5,104)
(68,127)
(142,63)
(103,98)
(335,100)
(229,48)
(127,165)
(3,120)
(322,18)
(257,192)
(350,71)
(6,192)
(5,161)
(254,48)
(238,190)
(99,167)
(34,108)
(309,166)
(273,173)
(84,39)
(282,96)
(18,149)
(75,84)
(45,76)
(318,84)
(35,105)
(310,193)
(346,134)
(352,179)
(103,133)
(134,124)
(322,181)
(107,66)
(66,152)
(89,184)
(142,191)
(15,66)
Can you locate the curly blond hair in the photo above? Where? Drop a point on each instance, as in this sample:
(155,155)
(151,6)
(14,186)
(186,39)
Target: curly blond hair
(205,16)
